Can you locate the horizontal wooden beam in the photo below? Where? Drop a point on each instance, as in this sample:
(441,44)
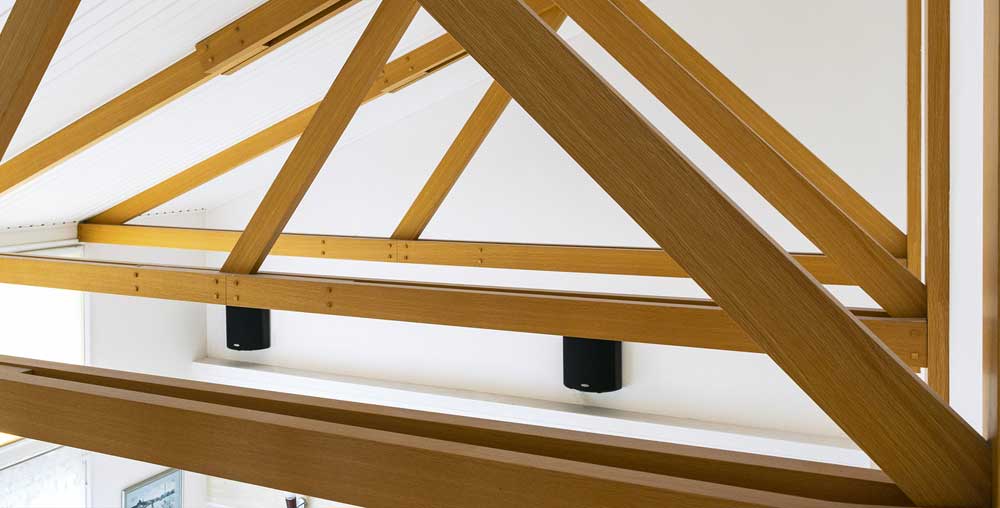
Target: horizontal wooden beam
(258,26)
(383,456)
(556,258)
(30,36)
(654,320)
(396,75)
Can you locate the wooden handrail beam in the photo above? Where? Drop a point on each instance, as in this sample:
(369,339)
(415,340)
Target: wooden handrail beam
(654,320)
(557,258)
(29,39)
(321,135)
(184,75)
(385,456)
(927,448)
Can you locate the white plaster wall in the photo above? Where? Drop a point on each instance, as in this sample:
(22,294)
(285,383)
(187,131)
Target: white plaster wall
(832,72)
(144,334)
(108,476)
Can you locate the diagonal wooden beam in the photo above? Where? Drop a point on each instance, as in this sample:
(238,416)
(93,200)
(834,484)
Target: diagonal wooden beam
(682,322)
(396,75)
(261,25)
(29,40)
(805,161)
(696,102)
(313,148)
(560,258)
(460,153)
(454,162)
(514,464)
(874,398)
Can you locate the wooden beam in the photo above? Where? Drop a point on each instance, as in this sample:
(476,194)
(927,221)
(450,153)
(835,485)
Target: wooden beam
(29,40)
(557,258)
(163,87)
(454,162)
(396,75)
(385,456)
(991,234)
(695,101)
(914,136)
(874,397)
(938,193)
(666,321)
(262,30)
(805,161)
(324,130)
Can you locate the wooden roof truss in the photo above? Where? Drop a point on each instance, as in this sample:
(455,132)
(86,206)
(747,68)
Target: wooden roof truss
(856,364)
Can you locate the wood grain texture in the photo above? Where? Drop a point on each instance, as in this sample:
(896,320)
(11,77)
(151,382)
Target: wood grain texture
(928,449)
(263,29)
(805,161)
(991,233)
(321,135)
(914,136)
(654,320)
(695,102)
(28,41)
(938,153)
(177,79)
(454,162)
(384,456)
(558,258)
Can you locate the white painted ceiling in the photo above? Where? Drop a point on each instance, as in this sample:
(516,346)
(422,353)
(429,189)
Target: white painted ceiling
(114,44)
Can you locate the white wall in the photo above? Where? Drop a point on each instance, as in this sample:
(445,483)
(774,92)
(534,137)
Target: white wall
(108,476)
(832,72)
(144,334)
(966,209)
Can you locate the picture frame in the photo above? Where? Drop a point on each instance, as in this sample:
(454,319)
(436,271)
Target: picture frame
(164,490)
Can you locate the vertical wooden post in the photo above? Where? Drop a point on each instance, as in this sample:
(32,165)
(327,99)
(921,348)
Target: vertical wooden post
(914,136)
(938,192)
(991,232)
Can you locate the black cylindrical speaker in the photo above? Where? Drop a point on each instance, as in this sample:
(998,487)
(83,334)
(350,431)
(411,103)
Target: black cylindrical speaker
(248,329)
(592,365)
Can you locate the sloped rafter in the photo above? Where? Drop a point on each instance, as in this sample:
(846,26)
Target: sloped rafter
(396,75)
(887,410)
(321,135)
(733,130)
(390,457)
(260,26)
(29,39)
(558,258)
(653,320)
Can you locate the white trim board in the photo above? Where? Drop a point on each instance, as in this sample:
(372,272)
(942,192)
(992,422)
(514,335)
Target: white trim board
(531,411)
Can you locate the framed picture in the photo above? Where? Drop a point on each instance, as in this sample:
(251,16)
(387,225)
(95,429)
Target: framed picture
(160,491)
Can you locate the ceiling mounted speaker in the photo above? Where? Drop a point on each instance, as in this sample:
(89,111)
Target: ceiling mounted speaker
(592,365)
(248,329)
